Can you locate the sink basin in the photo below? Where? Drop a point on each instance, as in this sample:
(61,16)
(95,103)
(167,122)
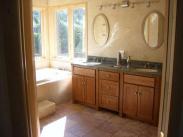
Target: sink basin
(147,70)
(91,63)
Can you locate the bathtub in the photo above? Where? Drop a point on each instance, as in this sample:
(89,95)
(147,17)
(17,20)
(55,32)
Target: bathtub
(54,85)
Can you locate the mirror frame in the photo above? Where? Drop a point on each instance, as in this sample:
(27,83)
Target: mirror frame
(143,24)
(107,22)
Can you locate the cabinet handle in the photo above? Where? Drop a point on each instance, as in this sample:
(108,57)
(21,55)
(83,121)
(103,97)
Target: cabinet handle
(109,87)
(136,93)
(140,93)
(83,83)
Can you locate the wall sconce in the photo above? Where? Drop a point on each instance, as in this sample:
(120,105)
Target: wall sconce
(100,7)
(124,4)
(132,5)
(114,6)
(127,3)
(148,4)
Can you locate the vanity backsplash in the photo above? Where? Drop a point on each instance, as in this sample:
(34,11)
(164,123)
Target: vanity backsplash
(133,63)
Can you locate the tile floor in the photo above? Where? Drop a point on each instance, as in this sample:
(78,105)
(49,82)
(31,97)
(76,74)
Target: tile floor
(74,120)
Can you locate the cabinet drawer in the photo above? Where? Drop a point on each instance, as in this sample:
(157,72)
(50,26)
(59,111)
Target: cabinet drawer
(109,88)
(109,75)
(109,102)
(84,71)
(139,80)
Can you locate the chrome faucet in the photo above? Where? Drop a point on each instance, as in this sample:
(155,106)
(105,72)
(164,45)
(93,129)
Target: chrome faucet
(118,61)
(128,60)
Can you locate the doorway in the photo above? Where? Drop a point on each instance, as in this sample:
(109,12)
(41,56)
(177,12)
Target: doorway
(162,88)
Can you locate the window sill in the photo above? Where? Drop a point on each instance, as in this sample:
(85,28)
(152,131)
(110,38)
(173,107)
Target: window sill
(60,58)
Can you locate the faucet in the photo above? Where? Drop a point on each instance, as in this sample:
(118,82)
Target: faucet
(128,60)
(118,61)
(147,65)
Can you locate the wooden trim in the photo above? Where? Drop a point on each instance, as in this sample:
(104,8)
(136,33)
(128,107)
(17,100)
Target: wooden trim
(171,7)
(84,71)
(97,89)
(29,67)
(157,94)
(121,85)
(139,80)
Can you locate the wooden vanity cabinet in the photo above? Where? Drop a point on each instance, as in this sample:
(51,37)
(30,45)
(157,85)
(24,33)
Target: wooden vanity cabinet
(141,97)
(84,86)
(109,90)
(78,88)
(130,100)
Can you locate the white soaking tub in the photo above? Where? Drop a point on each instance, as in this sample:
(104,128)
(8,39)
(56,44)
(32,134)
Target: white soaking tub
(54,85)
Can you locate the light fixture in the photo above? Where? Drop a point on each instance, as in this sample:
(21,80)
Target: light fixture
(100,7)
(124,4)
(148,4)
(114,6)
(132,5)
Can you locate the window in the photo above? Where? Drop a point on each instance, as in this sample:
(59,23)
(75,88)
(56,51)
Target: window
(37,32)
(78,32)
(62,33)
(70,32)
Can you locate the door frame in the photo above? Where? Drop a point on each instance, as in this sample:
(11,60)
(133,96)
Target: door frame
(29,68)
(167,88)
(25,17)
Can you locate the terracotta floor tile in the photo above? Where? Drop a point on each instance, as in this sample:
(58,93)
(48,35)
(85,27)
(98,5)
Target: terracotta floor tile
(125,134)
(109,127)
(80,130)
(69,135)
(97,133)
(83,121)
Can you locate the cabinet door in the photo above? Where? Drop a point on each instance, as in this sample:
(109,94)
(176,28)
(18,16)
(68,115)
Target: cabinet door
(90,90)
(145,103)
(109,88)
(78,88)
(109,102)
(130,100)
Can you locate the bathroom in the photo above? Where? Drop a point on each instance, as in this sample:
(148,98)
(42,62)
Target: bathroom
(121,43)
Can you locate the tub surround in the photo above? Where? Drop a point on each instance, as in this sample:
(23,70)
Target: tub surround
(126,90)
(54,85)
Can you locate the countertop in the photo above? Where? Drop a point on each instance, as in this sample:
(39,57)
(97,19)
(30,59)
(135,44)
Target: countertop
(125,69)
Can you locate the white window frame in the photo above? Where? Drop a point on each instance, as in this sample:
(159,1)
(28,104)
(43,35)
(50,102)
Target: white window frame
(43,60)
(70,9)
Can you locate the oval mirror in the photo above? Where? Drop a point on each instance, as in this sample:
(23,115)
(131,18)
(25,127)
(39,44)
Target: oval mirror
(153,30)
(100,29)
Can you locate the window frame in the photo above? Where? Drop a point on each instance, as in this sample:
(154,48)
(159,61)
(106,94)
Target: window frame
(84,32)
(43,60)
(70,10)
(68,29)
(43,31)
(38,55)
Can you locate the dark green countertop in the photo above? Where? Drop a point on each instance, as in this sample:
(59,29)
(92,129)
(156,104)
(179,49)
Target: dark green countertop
(127,70)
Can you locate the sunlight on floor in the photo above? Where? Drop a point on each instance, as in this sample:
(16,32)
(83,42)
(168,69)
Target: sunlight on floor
(55,129)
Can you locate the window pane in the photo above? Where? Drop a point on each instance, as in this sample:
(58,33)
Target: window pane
(37,32)
(62,32)
(79,30)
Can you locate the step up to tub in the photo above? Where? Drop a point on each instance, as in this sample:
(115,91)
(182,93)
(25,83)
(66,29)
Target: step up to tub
(46,108)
